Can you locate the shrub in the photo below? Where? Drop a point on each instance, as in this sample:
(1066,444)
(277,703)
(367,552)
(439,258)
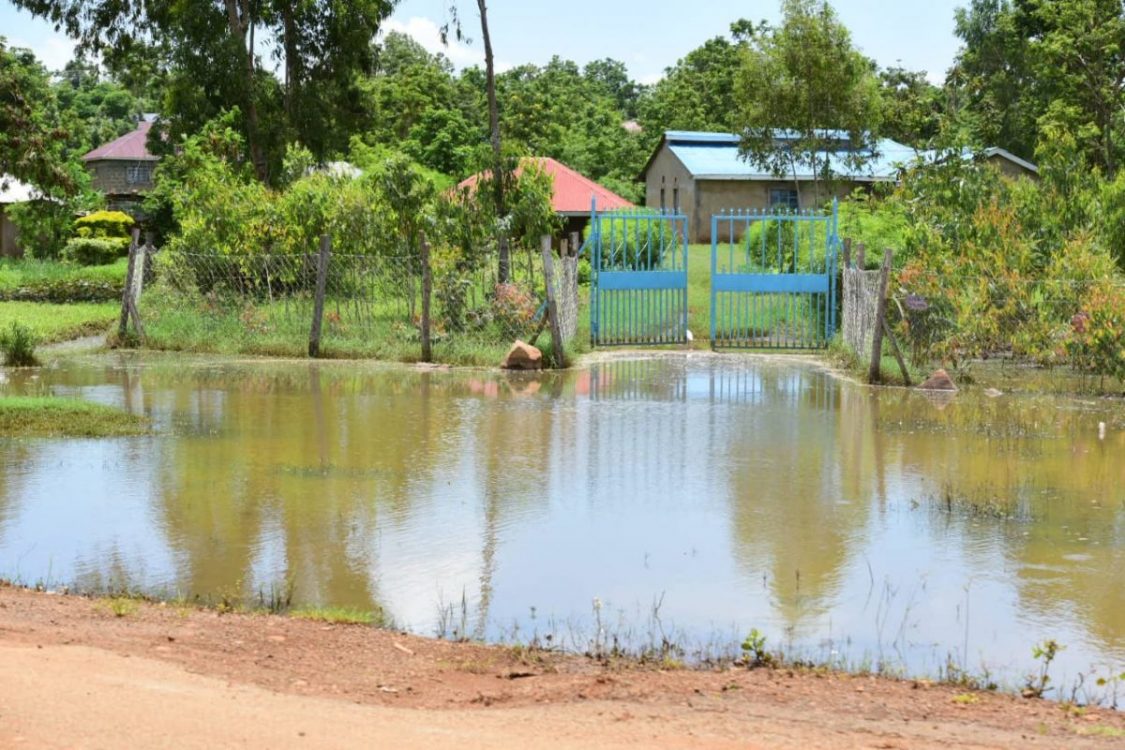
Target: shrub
(637,240)
(44,227)
(18,343)
(104,224)
(513,308)
(1097,339)
(95,251)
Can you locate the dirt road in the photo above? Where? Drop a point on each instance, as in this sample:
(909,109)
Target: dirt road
(75,675)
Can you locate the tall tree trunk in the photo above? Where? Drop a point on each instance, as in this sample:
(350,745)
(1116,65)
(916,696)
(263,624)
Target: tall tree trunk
(504,271)
(241,26)
(290,33)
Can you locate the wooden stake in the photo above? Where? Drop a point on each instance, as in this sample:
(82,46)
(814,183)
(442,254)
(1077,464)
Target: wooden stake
(427,293)
(321,288)
(552,303)
(127,295)
(897,352)
(873,374)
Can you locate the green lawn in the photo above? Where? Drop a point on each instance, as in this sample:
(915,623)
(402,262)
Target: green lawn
(47,416)
(52,281)
(58,322)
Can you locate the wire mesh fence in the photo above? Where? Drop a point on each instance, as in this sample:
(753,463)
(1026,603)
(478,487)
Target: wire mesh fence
(372,304)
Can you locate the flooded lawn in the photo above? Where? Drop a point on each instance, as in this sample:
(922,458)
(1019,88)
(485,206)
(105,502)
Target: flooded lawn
(693,498)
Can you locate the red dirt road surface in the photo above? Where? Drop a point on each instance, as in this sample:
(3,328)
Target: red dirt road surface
(75,675)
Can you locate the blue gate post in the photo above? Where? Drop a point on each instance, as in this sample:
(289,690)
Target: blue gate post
(595,265)
(833,242)
(714,272)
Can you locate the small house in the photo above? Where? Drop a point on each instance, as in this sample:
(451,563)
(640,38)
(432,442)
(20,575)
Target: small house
(703,174)
(123,169)
(573,193)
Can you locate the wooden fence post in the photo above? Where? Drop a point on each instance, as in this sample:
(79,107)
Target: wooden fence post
(848,253)
(552,302)
(321,289)
(127,294)
(575,244)
(427,294)
(873,374)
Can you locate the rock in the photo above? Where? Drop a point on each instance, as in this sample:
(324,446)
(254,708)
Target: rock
(939,381)
(993,393)
(523,357)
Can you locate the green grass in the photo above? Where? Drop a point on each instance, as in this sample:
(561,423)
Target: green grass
(52,323)
(174,323)
(339,616)
(46,416)
(53,281)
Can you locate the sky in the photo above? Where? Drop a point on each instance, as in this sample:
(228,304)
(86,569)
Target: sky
(647,35)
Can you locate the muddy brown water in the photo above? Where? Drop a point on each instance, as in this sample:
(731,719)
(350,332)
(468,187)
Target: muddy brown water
(688,498)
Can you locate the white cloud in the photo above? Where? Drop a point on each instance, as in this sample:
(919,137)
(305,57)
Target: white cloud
(54,51)
(651,79)
(428,34)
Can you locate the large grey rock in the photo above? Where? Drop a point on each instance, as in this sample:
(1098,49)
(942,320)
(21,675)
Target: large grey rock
(523,356)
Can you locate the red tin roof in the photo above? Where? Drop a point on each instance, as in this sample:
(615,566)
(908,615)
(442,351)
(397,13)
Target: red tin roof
(573,191)
(129,147)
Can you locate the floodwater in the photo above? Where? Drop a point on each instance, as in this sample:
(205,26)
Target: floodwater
(688,497)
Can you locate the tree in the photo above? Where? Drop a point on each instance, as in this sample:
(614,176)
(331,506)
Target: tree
(993,80)
(697,93)
(32,136)
(498,164)
(207,52)
(912,107)
(802,89)
(611,77)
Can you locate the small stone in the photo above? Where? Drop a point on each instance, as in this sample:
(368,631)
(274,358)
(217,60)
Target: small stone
(993,393)
(939,381)
(523,356)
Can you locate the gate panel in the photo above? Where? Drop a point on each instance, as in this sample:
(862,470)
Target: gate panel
(772,279)
(639,294)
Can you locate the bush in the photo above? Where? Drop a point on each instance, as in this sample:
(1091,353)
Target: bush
(18,343)
(95,251)
(637,240)
(104,224)
(1097,339)
(44,227)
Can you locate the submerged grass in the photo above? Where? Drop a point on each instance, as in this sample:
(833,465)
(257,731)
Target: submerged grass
(46,416)
(59,322)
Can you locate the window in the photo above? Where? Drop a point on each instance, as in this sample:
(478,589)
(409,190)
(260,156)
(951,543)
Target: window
(676,199)
(784,198)
(662,203)
(138,175)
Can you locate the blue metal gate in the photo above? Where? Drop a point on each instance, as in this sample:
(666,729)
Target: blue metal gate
(773,279)
(639,292)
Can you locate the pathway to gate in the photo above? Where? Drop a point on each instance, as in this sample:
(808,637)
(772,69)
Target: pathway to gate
(771,279)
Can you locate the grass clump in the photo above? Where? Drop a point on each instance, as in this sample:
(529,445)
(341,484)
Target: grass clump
(339,616)
(46,416)
(121,606)
(18,342)
(60,322)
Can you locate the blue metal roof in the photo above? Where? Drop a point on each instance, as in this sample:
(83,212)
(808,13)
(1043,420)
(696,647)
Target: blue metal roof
(715,156)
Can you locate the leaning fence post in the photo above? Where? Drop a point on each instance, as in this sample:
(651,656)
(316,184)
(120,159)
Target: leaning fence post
(552,302)
(127,293)
(874,375)
(321,288)
(427,293)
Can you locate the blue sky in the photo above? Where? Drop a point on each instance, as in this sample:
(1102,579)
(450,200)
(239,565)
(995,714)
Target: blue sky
(647,35)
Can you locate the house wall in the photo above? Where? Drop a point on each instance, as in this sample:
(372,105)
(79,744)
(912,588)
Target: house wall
(1010,169)
(668,171)
(9,244)
(719,196)
(111,176)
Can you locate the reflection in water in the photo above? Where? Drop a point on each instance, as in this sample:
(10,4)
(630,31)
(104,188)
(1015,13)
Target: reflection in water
(746,493)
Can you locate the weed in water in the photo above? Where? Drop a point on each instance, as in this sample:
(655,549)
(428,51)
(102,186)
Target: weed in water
(1044,653)
(18,343)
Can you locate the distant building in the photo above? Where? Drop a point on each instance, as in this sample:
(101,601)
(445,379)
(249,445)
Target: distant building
(123,169)
(573,193)
(702,174)
(12,191)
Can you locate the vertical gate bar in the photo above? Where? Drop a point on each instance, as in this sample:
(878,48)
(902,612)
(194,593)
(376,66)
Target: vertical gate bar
(714,271)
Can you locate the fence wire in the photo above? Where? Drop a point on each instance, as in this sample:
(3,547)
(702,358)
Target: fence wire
(372,303)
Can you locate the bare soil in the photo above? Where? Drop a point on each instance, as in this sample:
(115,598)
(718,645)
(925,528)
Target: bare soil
(75,674)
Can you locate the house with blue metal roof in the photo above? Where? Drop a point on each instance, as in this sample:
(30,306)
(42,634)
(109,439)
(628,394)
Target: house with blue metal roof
(702,174)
